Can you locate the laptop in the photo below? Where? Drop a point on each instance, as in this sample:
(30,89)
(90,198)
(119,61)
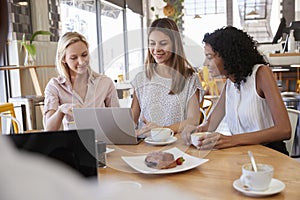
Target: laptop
(112,125)
(75,148)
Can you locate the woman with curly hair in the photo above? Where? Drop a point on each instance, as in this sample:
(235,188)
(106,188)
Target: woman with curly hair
(250,102)
(166,94)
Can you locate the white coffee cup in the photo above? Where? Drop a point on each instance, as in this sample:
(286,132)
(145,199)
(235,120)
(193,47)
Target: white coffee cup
(196,136)
(161,134)
(257,181)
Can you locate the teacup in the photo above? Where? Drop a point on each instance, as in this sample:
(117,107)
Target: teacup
(161,134)
(257,181)
(195,137)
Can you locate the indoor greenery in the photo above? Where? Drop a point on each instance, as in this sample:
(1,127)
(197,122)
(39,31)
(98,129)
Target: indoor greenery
(30,47)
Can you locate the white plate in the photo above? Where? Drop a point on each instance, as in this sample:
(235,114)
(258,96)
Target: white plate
(138,163)
(108,150)
(276,186)
(169,141)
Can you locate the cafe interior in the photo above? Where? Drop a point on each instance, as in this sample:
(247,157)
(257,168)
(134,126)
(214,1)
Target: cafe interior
(117,33)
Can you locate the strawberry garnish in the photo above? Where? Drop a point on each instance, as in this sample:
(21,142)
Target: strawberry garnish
(179,160)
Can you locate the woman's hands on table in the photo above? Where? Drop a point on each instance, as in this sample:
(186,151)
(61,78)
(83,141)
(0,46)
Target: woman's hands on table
(214,140)
(147,127)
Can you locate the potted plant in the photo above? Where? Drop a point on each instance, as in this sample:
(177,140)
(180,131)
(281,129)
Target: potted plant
(30,48)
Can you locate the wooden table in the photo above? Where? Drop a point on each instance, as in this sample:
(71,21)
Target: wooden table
(211,180)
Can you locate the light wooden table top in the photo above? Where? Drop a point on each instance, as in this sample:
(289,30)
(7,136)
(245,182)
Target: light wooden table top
(211,180)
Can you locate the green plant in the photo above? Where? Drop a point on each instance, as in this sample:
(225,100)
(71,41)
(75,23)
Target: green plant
(30,47)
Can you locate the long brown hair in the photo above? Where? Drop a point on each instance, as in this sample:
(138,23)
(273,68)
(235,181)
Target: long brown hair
(182,68)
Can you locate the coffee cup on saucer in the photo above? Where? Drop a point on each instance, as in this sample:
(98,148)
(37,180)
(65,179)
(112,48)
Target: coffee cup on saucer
(161,134)
(196,136)
(259,180)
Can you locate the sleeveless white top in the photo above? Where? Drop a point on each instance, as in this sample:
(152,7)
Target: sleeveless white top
(157,105)
(246,111)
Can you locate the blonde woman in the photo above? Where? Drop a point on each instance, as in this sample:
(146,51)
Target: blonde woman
(77,84)
(166,94)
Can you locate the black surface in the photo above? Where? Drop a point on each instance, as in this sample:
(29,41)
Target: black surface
(75,148)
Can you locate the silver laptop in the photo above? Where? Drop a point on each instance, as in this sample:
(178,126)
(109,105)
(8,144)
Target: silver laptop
(112,125)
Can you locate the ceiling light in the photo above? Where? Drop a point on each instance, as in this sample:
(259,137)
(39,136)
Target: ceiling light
(23,3)
(197,16)
(252,14)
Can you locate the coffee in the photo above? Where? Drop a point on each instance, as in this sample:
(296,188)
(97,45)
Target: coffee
(161,134)
(257,181)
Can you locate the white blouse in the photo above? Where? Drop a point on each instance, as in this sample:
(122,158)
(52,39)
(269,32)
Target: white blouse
(246,111)
(157,105)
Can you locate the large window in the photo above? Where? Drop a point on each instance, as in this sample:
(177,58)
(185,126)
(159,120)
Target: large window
(135,43)
(112,29)
(204,7)
(212,15)
(114,33)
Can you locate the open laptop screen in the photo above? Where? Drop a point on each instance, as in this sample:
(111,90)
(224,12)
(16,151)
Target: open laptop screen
(76,148)
(112,125)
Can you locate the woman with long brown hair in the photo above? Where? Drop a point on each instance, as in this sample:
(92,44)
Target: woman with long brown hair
(166,94)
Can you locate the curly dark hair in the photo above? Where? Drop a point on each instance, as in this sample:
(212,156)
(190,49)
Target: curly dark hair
(238,51)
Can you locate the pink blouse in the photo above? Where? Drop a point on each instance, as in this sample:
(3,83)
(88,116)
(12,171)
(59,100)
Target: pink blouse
(101,92)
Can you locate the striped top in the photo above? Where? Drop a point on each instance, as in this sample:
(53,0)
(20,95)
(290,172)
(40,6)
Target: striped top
(246,111)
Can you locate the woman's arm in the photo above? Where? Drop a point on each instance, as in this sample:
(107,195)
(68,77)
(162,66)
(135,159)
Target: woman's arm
(135,107)
(53,118)
(216,115)
(267,88)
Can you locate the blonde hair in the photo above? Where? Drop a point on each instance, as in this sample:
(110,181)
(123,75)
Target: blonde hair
(63,43)
(182,68)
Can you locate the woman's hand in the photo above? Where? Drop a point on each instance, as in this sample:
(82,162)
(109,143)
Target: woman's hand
(215,140)
(208,141)
(67,108)
(147,127)
(186,133)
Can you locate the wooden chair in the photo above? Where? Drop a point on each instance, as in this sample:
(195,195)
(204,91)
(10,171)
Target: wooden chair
(7,111)
(293,116)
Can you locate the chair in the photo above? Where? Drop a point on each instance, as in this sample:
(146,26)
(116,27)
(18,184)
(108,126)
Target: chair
(7,111)
(293,116)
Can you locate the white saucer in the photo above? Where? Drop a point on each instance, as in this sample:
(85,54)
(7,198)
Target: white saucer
(276,186)
(108,150)
(169,141)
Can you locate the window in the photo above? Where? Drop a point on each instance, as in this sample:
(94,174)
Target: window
(135,43)
(212,15)
(110,29)
(203,7)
